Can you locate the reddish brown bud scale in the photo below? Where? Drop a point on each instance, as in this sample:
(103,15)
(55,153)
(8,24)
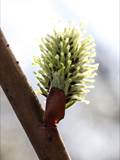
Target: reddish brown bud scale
(55,107)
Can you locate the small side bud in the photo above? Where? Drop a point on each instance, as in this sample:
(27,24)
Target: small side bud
(55,107)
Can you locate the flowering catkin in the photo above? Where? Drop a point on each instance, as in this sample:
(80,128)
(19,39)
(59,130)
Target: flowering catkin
(67,62)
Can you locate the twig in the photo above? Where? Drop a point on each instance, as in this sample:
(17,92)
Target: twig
(45,140)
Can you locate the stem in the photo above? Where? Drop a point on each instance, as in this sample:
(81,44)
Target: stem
(45,140)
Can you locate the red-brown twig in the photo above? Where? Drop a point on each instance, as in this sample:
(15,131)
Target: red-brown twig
(45,140)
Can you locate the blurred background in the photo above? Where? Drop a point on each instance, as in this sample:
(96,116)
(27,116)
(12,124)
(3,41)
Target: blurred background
(90,132)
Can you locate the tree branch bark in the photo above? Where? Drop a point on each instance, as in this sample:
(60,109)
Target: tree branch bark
(45,140)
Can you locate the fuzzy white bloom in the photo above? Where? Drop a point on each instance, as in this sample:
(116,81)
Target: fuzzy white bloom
(67,62)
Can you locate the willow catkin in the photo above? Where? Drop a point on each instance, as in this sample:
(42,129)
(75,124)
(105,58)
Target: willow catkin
(67,62)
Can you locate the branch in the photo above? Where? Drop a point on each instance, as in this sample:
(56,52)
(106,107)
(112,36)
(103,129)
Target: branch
(45,140)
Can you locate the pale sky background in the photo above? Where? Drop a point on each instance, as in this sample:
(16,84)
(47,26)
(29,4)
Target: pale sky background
(25,21)
(94,128)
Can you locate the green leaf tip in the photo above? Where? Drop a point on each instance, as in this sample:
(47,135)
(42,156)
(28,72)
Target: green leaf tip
(67,62)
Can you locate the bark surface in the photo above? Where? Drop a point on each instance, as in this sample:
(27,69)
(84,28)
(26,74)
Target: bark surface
(45,140)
